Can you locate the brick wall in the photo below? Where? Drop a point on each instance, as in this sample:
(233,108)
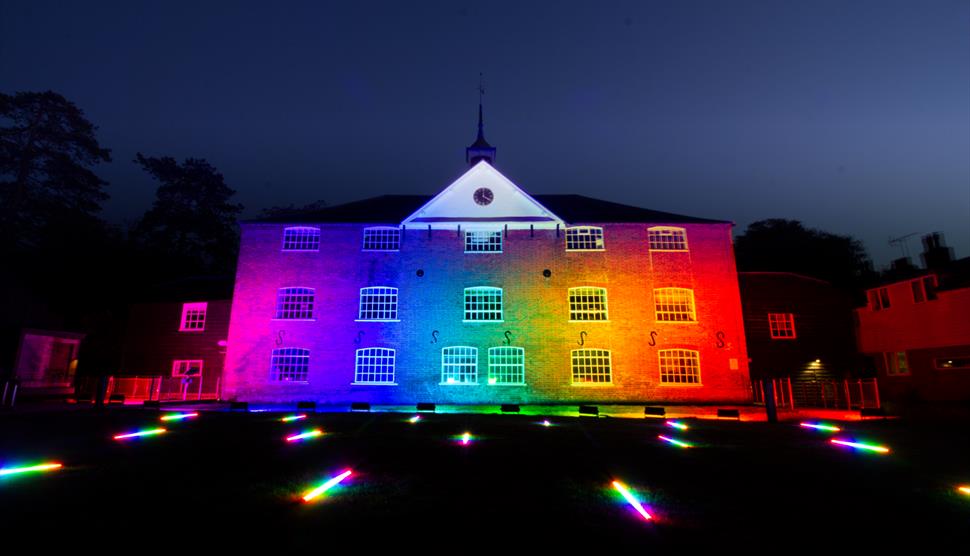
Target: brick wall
(536,313)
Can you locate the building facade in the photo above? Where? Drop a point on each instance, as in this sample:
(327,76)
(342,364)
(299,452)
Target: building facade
(484,294)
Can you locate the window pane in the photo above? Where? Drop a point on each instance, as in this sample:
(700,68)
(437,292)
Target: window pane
(506,365)
(483,242)
(587,303)
(667,239)
(674,304)
(584,238)
(301,239)
(459,365)
(294,303)
(374,366)
(378,303)
(483,304)
(591,366)
(382,239)
(679,366)
(290,365)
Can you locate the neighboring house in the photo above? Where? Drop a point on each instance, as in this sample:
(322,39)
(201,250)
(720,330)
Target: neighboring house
(486,294)
(177,347)
(46,362)
(916,326)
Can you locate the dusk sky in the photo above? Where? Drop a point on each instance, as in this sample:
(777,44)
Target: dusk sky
(853,117)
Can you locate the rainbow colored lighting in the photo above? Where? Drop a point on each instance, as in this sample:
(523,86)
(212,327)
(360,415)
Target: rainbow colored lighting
(674,441)
(821,427)
(964,489)
(310,434)
(862,446)
(179,416)
(29,469)
(414,419)
(291,418)
(677,425)
(326,486)
(632,501)
(546,423)
(466,438)
(150,432)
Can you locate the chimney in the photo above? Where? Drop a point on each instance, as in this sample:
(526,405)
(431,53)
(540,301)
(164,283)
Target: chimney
(935,252)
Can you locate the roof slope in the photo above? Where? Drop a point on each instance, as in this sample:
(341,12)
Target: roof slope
(392,209)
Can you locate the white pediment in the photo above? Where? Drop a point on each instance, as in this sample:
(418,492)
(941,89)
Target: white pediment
(483,198)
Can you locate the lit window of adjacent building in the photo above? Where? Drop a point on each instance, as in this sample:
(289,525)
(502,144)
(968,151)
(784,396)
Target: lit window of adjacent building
(193,317)
(301,238)
(896,363)
(483,304)
(782,326)
(924,289)
(506,365)
(946,363)
(187,368)
(879,299)
(592,366)
(679,366)
(483,242)
(378,303)
(584,238)
(374,366)
(674,304)
(459,365)
(294,303)
(382,239)
(587,304)
(664,238)
(290,365)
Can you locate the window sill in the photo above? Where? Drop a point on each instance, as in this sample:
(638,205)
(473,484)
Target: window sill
(675,385)
(457,384)
(373,384)
(380,250)
(507,384)
(292,320)
(299,250)
(192,330)
(283,382)
(483,252)
(669,250)
(377,320)
(592,384)
(676,321)
(784,338)
(585,321)
(585,250)
(482,321)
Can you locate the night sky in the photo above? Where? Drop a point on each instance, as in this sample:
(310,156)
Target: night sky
(853,117)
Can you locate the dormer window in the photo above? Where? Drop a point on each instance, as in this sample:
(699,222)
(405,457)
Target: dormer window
(483,242)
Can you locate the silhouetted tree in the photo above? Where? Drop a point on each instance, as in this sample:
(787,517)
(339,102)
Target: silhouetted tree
(46,149)
(779,245)
(192,223)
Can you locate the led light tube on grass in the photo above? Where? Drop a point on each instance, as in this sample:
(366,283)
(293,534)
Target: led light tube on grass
(466,438)
(861,446)
(29,469)
(326,486)
(821,427)
(964,489)
(674,442)
(632,501)
(546,423)
(414,419)
(179,416)
(310,434)
(293,418)
(151,432)
(677,425)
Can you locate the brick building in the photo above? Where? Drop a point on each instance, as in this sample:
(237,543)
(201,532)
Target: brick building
(916,327)
(485,294)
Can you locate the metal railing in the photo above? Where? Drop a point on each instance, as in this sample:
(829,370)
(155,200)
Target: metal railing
(830,394)
(163,388)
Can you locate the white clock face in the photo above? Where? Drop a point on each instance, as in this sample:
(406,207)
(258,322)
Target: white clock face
(483,196)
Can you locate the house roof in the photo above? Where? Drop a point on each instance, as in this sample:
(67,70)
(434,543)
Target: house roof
(392,209)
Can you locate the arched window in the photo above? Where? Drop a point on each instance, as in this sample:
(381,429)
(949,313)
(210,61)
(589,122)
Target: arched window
(459,365)
(587,303)
(679,366)
(666,238)
(674,305)
(290,365)
(506,365)
(584,238)
(301,238)
(592,366)
(294,303)
(374,366)
(378,303)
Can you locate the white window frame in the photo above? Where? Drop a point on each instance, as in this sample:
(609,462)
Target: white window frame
(585,238)
(374,365)
(379,301)
(506,366)
(582,303)
(455,369)
(591,366)
(301,238)
(290,306)
(781,326)
(679,367)
(191,321)
(180,366)
(481,241)
(674,305)
(667,238)
(476,309)
(382,239)
(290,357)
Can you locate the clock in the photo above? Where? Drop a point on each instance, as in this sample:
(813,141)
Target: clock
(483,196)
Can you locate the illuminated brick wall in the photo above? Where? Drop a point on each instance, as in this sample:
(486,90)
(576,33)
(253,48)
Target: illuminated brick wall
(536,313)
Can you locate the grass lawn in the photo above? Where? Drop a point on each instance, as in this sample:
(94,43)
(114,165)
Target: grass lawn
(232,481)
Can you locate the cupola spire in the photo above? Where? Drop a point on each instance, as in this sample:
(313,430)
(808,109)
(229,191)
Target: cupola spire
(480,149)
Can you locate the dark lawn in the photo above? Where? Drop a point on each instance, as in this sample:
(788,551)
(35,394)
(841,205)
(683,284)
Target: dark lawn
(230,479)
